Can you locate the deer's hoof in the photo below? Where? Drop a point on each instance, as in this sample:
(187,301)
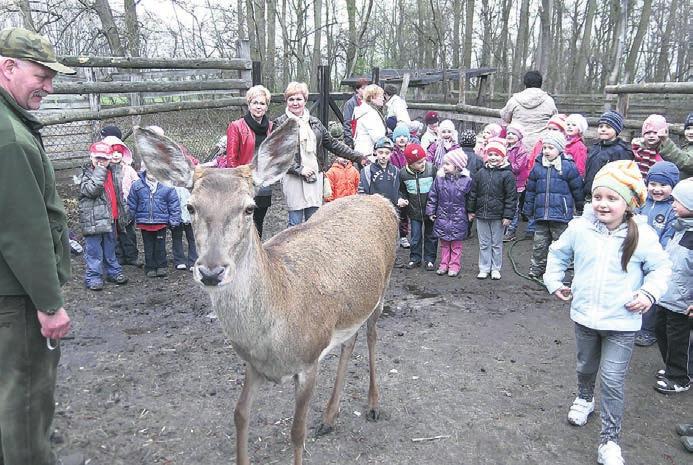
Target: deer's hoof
(373,415)
(323,429)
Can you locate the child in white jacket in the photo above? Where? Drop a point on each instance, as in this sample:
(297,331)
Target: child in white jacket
(620,271)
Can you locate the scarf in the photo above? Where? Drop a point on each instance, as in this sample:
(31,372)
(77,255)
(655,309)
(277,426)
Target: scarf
(260,129)
(307,140)
(556,163)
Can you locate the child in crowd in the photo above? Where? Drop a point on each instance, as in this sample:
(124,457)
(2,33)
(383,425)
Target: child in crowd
(431,134)
(126,250)
(575,130)
(467,140)
(446,206)
(556,124)
(344,179)
(447,141)
(492,201)
(490,131)
(554,191)
(672,322)
(101,206)
(646,149)
(185,227)
(401,139)
(518,158)
(608,148)
(681,157)
(620,271)
(416,130)
(660,213)
(381,177)
(154,206)
(416,180)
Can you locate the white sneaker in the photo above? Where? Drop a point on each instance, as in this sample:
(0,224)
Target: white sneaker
(495,274)
(482,275)
(579,411)
(181,266)
(404,243)
(610,454)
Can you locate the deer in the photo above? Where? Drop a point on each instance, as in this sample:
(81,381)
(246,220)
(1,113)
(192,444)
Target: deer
(285,303)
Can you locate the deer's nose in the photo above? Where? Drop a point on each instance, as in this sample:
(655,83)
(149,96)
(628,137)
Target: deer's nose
(211,277)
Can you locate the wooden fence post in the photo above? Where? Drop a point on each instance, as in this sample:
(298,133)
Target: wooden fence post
(461,99)
(257,73)
(375,75)
(324,90)
(243,51)
(405,85)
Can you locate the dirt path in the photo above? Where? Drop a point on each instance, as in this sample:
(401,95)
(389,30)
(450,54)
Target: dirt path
(488,366)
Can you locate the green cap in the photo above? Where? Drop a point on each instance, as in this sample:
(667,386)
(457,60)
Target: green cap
(16,42)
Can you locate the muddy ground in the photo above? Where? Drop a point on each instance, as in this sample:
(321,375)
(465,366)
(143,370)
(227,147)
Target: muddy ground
(486,365)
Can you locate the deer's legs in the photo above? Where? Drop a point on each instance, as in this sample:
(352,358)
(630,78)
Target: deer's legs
(242,412)
(332,409)
(372,336)
(304,384)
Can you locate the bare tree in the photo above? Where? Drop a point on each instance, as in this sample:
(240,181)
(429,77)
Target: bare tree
(662,69)
(635,46)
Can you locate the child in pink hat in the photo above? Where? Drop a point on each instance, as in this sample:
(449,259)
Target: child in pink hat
(646,149)
(575,129)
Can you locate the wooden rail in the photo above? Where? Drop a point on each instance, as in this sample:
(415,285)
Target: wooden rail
(241,64)
(651,88)
(147,86)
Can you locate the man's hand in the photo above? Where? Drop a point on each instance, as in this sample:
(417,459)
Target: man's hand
(54,326)
(564,294)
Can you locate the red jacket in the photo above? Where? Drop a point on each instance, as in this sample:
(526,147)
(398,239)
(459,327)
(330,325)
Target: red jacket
(240,144)
(577,150)
(344,180)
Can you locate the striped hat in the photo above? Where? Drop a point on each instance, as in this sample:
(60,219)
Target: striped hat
(516,129)
(624,178)
(496,145)
(613,119)
(457,157)
(558,122)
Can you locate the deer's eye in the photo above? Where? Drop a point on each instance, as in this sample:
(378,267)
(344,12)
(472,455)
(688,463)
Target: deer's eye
(249,210)
(190,209)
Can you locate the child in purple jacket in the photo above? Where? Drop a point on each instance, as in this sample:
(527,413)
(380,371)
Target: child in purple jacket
(446,206)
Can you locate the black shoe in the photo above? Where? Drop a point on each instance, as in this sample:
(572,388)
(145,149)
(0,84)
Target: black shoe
(139,263)
(118,279)
(161,272)
(412,265)
(95,287)
(667,386)
(645,340)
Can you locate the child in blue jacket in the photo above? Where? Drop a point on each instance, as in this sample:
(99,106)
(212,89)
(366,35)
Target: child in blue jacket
(155,207)
(553,192)
(620,271)
(658,208)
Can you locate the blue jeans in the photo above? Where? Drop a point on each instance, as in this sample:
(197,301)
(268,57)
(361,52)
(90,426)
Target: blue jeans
(299,216)
(422,237)
(100,253)
(608,352)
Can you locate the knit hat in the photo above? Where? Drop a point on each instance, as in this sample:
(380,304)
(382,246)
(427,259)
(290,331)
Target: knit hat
(415,128)
(111,130)
(683,192)
(579,121)
(336,129)
(431,117)
(516,129)
(401,130)
(391,122)
(494,129)
(624,178)
(689,121)
(414,153)
(100,150)
(467,138)
(450,126)
(496,145)
(663,172)
(457,157)
(383,143)
(556,139)
(654,123)
(117,145)
(613,119)
(558,122)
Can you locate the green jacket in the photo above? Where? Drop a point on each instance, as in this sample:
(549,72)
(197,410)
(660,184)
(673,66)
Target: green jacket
(34,244)
(681,157)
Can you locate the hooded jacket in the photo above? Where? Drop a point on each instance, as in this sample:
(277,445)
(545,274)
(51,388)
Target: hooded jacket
(397,107)
(600,287)
(344,180)
(680,250)
(493,195)
(576,149)
(95,214)
(370,127)
(415,187)
(447,201)
(159,207)
(531,109)
(553,196)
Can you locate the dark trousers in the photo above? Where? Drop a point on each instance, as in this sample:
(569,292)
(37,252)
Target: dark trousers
(154,249)
(27,384)
(262,204)
(673,332)
(126,249)
(546,232)
(177,245)
(422,237)
(403,222)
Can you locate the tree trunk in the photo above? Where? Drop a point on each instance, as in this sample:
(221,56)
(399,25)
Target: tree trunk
(132,26)
(456,18)
(557,54)
(317,43)
(27,20)
(619,41)
(268,65)
(353,37)
(103,10)
(241,20)
(521,45)
(261,28)
(502,49)
(545,15)
(585,46)
(252,30)
(468,36)
(662,68)
(486,35)
(643,23)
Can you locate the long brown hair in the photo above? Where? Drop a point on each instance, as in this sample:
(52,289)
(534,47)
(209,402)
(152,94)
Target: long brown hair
(631,241)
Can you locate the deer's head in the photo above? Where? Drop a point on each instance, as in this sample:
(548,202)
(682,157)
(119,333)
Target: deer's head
(222,201)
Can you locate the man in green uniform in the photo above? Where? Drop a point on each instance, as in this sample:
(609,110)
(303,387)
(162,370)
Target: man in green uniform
(34,253)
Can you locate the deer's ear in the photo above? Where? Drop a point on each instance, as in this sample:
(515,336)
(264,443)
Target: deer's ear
(163,158)
(276,154)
